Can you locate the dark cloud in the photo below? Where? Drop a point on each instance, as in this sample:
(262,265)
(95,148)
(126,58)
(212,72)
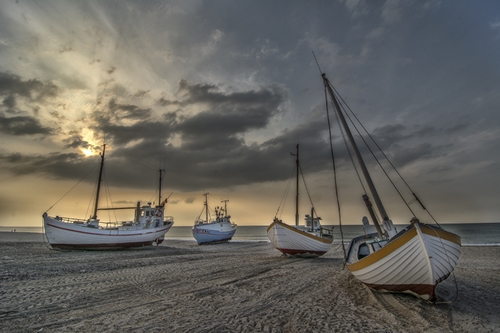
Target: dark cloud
(76,141)
(14,88)
(141,93)
(127,111)
(11,84)
(405,155)
(166,102)
(226,115)
(56,165)
(22,125)
(9,101)
(211,152)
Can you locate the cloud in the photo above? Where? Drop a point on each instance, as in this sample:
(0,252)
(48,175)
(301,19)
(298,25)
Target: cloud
(22,125)
(33,89)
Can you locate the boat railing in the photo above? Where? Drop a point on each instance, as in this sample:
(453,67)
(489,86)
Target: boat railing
(70,220)
(201,221)
(109,225)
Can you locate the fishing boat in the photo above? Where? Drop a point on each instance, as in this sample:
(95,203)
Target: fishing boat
(308,240)
(412,260)
(217,230)
(148,226)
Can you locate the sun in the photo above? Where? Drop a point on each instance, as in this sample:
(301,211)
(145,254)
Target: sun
(87,152)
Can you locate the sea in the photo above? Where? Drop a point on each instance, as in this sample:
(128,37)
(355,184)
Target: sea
(472,234)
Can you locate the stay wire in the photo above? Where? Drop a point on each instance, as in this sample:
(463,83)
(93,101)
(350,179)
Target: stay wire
(285,195)
(369,148)
(71,188)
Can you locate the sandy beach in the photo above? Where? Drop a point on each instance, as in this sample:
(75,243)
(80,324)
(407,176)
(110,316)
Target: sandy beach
(233,287)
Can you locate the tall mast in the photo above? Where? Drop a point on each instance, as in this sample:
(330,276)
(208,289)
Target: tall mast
(159,191)
(297,187)
(368,179)
(99,183)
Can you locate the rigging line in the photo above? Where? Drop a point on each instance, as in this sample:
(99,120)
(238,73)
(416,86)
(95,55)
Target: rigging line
(72,188)
(307,189)
(335,175)
(108,196)
(136,159)
(285,194)
(371,151)
(349,151)
(317,64)
(94,190)
(388,160)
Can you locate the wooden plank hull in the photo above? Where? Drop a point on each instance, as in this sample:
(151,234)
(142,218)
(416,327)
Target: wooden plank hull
(292,241)
(414,261)
(64,235)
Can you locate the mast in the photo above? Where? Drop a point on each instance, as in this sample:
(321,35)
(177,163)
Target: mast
(225,207)
(159,191)
(297,187)
(206,206)
(368,179)
(99,183)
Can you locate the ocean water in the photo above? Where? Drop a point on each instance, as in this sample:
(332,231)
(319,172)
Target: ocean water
(478,234)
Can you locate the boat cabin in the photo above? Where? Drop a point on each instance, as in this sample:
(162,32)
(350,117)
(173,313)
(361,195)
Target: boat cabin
(315,224)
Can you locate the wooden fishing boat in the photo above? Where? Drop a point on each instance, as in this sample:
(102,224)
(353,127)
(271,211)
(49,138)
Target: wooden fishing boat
(413,260)
(148,226)
(217,230)
(308,240)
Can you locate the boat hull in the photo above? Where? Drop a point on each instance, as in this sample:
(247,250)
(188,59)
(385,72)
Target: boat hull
(64,235)
(414,261)
(215,232)
(295,242)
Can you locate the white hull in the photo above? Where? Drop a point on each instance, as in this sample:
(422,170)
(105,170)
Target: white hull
(292,241)
(67,235)
(414,261)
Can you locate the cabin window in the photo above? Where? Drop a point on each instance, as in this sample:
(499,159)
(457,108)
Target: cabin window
(363,251)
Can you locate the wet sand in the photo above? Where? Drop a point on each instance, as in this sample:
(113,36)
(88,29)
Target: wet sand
(233,287)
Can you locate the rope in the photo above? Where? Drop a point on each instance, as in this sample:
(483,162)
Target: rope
(449,263)
(71,189)
(307,189)
(386,158)
(285,195)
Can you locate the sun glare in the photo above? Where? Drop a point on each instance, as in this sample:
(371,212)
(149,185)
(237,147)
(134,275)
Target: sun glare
(87,152)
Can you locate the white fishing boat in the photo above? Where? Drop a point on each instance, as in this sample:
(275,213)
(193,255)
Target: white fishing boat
(308,240)
(148,226)
(217,230)
(412,260)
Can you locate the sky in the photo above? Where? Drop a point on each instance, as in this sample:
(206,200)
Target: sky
(219,93)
